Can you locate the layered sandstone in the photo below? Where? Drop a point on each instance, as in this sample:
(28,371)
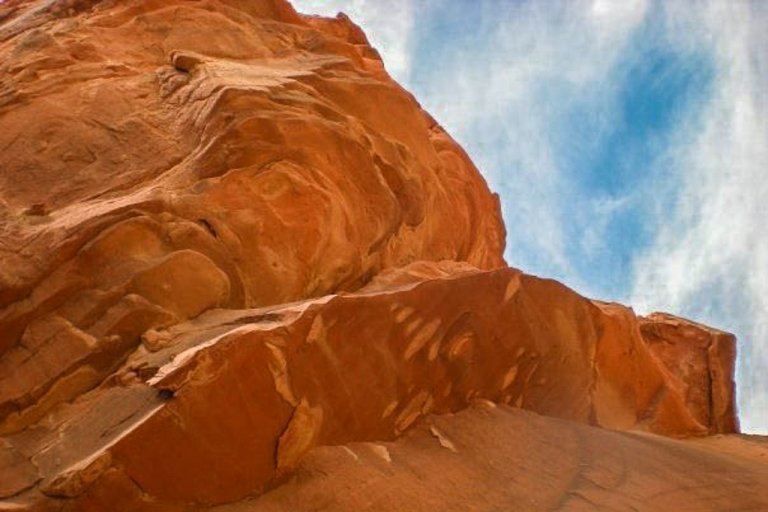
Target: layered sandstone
(229,242)
(224,407)
(160,159)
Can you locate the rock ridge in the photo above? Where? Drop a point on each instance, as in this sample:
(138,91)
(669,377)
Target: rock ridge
(360,367)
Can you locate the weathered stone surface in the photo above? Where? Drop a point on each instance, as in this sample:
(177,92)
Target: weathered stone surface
(234,254)
(699,361)
(509,459)
(162,158)
(16,472)
(233,400)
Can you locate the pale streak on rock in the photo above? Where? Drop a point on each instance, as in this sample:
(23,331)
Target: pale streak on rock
(459,345)
(351,452)
(484,403)
(422,336)
(434,350)
(428,405)
(179,360)
(509,377)
(403,313)
(512,287)
(300,434)
(412,411)
(443,439)
(390,409)
(380,451)
(413,325)
(279,368)
(316,330)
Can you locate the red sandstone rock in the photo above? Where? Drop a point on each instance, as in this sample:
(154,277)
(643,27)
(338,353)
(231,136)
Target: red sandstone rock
(229,241)
(487,458)
(223,407)
(162,158)
(699,363)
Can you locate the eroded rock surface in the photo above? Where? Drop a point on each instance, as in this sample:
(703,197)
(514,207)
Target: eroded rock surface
(501,458)
(229,242)
(163,158)
(696,358)
(225,406)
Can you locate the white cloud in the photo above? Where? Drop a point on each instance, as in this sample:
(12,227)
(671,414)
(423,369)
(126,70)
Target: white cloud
(505,96)
(604,209)
(489,96)
(504,92)
(710,258)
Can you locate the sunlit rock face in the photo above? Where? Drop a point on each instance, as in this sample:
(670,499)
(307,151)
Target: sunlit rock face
(229,241)
(165,158)
(225,406)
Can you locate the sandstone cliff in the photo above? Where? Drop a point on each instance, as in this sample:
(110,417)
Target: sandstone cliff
(164,158)
(229,241)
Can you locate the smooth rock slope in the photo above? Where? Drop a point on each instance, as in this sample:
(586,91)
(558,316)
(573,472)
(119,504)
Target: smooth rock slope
(241,269)
(498,458)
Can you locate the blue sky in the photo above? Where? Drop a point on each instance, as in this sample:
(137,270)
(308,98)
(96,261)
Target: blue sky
(628,141)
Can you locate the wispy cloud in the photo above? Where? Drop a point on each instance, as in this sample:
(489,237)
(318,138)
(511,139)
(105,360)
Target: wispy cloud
(710,255)
(530,93)
(627,139)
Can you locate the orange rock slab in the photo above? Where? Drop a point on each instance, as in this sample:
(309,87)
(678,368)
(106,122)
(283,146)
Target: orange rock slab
(699,361)
(226,406)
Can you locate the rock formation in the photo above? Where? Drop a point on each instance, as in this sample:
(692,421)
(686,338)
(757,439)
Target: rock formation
(229,242)
(500,458)
(164,158)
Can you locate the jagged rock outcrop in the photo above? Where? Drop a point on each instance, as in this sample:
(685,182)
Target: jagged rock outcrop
(699,363)
(229,241)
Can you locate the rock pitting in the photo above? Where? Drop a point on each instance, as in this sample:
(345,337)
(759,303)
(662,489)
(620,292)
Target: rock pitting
(236,255)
